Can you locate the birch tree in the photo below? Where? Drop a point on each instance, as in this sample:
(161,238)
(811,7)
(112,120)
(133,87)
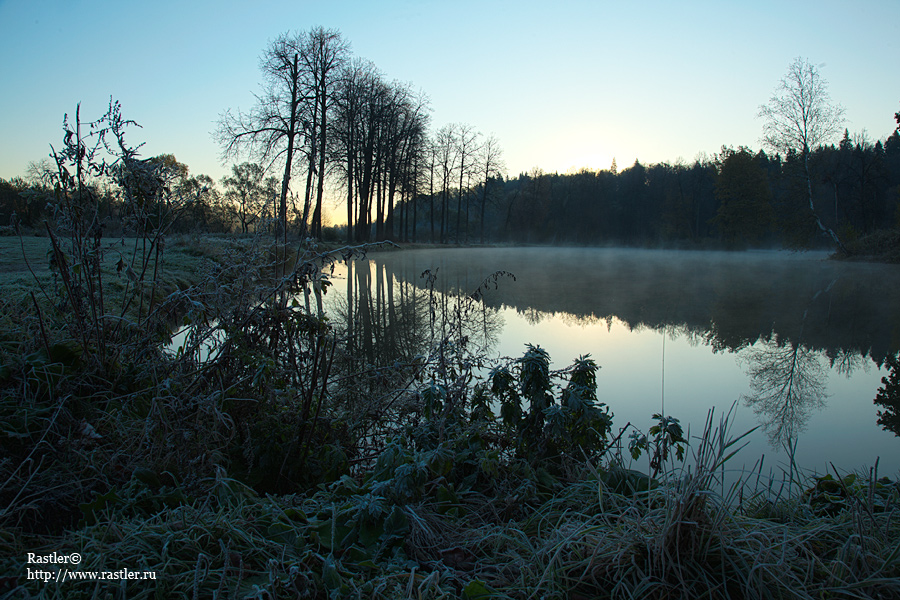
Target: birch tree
(799,117)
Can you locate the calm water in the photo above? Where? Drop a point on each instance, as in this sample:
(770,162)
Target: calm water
(795,342)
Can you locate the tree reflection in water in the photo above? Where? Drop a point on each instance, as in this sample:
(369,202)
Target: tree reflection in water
(787,382)
(392,329)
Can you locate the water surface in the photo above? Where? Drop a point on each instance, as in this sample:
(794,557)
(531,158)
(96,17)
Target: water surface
(793,341)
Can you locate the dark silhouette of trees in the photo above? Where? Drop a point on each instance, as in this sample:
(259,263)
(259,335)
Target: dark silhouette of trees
(445,153)
(324,54)
(742,188)
(490,162)
(338,117)
(888,396)
(248,192)
(466,147)
(379,133)
(280,121)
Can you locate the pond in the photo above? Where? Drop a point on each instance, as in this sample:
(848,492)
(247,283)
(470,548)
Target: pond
(794,343)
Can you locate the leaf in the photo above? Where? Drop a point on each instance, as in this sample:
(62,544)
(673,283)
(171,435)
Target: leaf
(97,505)
(330,575)
(477,589)
(396,523)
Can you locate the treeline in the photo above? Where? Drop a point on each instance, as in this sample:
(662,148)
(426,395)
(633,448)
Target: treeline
(328,117)
(736,198)
(198,202)
(447,188)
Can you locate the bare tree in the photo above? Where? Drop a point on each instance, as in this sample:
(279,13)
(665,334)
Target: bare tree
(277,125)
(324,54)
(787,384)
(466,147)
(349,98)
(445,144)
(491,162)
(431,152)
(800,117)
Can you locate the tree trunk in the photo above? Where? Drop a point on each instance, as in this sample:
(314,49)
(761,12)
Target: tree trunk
(812,207)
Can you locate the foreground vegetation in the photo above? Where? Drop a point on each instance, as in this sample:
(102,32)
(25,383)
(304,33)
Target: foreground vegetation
(261,457)
(163,464)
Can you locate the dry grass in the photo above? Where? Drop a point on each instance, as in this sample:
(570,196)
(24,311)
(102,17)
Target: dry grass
(680,540)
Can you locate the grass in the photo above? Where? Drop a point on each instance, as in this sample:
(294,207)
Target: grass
(677,541)
(25,261)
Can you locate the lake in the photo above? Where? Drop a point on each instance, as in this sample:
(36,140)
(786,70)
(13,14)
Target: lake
(793,341)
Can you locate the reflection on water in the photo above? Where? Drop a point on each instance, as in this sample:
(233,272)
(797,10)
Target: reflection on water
(782,332)
(788,385)
(389,321)
(888,398)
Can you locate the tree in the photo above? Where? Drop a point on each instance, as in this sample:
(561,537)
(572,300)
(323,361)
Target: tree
(787,385)
(356,78)
(247,192)
(466,146)
(491,162)
(279,122)
(742,189)
(324,53)
(889,394)
(446,147)
(799,117)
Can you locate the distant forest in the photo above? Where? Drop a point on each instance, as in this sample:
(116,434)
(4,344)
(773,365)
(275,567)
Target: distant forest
(737,198)
(330,128)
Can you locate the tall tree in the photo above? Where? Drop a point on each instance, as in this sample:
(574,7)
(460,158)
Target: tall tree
(357,77)
(745,212)
(278,123)
(445,144)
(491,165)
(324,54)
(466,147)
(799,117)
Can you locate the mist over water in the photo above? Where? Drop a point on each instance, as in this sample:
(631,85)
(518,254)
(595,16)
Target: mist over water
(793,341)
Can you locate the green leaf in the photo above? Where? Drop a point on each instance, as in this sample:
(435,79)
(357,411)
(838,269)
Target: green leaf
(477,589)
(330,575)
(97,505)
(396,523)
(147,476)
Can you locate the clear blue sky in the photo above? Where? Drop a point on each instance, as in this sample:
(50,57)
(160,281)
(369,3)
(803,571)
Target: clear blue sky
(564,84)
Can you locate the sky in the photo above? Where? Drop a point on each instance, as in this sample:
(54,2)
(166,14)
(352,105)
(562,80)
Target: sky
(563,85)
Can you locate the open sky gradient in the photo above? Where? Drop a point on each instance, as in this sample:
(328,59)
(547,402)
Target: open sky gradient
(563,85)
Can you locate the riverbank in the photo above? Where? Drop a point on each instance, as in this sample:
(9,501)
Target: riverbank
(286,465)
(882,247)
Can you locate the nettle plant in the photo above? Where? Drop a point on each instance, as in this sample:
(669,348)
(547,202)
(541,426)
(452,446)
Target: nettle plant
(665,438)
(546,426)
(522,414)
